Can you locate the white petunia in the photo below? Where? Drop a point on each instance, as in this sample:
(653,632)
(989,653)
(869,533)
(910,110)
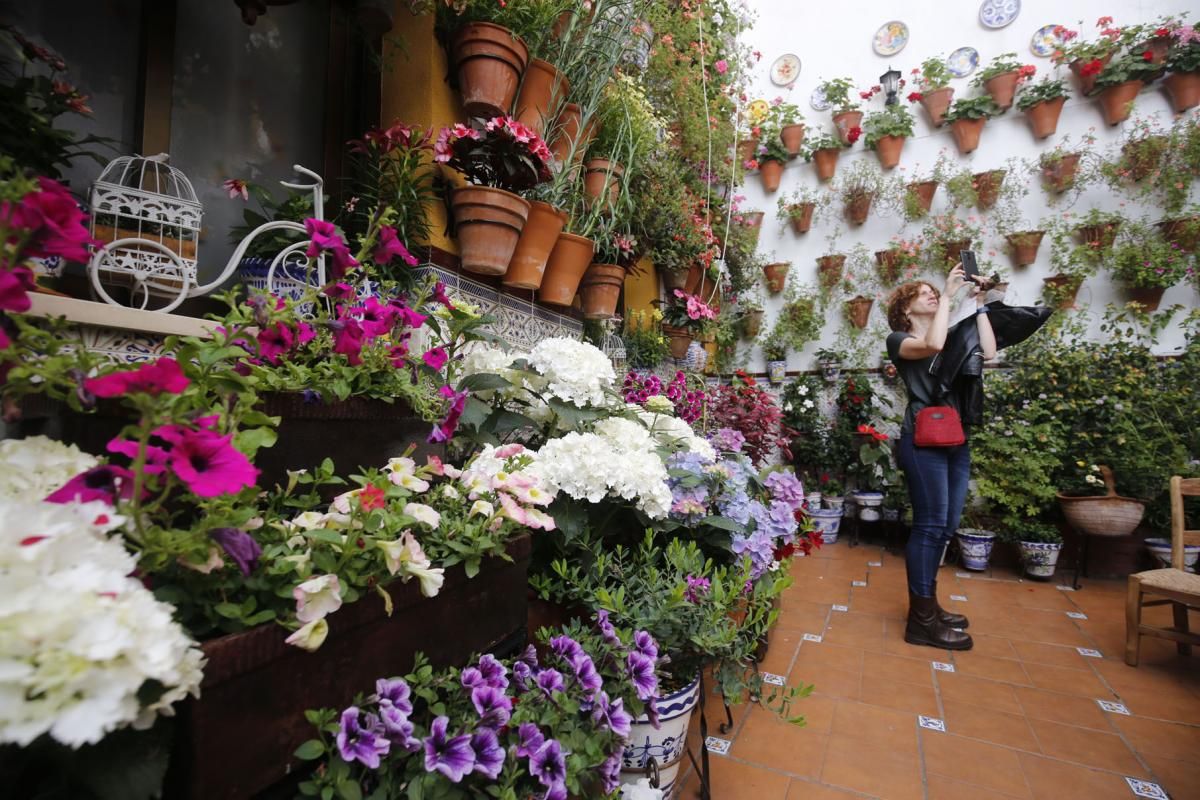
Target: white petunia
(310,636)
(317,597)
(424,514)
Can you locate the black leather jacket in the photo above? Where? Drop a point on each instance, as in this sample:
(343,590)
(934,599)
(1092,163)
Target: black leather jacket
(959,367)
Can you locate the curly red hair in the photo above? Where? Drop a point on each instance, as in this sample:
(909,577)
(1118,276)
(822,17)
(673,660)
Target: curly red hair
(898,304)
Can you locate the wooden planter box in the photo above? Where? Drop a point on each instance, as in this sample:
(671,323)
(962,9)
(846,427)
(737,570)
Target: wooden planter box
(237,739)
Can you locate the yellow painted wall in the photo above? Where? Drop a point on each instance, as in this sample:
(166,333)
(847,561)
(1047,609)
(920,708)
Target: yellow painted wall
(641,289)
(415,91)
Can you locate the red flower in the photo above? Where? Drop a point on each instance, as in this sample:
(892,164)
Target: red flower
(915,97)
(1103,21)
(865,95)
(1093,67)
(371,497)
(163,375)
(1148,56)
(853,134)
(1161,32)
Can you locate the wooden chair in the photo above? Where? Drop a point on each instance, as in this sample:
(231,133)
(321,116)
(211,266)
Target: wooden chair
(1172,586)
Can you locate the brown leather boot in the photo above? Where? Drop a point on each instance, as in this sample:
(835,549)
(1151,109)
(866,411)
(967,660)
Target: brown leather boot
(949,618)
(924,627)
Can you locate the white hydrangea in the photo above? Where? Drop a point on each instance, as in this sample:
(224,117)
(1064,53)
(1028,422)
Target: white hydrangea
(618,460)
(34,467)
(673,432)
(79,637)
(574,371)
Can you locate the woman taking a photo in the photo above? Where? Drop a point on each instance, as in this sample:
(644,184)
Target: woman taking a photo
(937,475)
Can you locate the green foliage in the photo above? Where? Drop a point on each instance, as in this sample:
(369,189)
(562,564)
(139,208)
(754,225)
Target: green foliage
(1048,88)
(292,208)
(1017,529)
(933,74)
(801,405)
(894,120)
(1142,258)
(838,92)
(1000,65)
(1123,68)
(822,141)
(645,345)
(983,107)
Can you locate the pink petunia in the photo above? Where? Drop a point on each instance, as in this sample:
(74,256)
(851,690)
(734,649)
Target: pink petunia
(348,340)
(163,375)
(444,430)
(342,292)
(106,483)
(51,220)
(390,247)
(376,318)
(209,464)
(325,239)
(15,286)
(435,358)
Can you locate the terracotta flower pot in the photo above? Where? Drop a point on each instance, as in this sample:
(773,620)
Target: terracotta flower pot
(489,61)
(1185,233)
(771,173)
(1142,157)
(966,134)
(752,323)
(952,249)
(1183,90)
(845,122)
(570,133)
(858,311)
(1087,83)
(792,137)
(538,237)
(1064,288)
(488,224)
(826,162)
(1025,246)
(1101,236)
(753,220)
(600,290)
(543,90)
(776,276)
(987,187)
(936,104)
(888,262)
(1116,102)
(569,260)
(924,192)
(747,149)
(1059,175)
(673,279)
(602,183)
(1043,117)
(679,340)
(858,208)
(887,149)
(1002,88)
(1146,296)
(829,269)
(802,222)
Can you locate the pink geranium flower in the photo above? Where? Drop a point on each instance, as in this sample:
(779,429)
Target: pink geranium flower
(722,66)
(390,246)
(235,187)
(209,464)
(163,375)
(325,239)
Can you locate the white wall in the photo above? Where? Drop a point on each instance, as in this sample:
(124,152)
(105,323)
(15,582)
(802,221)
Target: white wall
(835,40)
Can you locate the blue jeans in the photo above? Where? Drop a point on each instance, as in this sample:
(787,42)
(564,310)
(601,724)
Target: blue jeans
(937,487)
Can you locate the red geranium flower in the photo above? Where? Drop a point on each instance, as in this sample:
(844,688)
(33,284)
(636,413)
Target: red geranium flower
(1093,67)
(853,134)
(1148,56)
(915,97)
(371,498)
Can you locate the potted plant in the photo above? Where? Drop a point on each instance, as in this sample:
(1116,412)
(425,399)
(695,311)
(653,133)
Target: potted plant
(899,260)
(684,318)
(846,117)
(799,207)
(1182,85)
(1087,58)
(1042,103)
(1147,265)
(935,93)
(256,261)
(786,120)
(967,117)
(1092,506)
(1070,264)
(946,236)
(823,150)
(1098,228)
(829,270)
(1059,168)
(775,352)
(858,188)
(600,289)
(771,157)
(568,261)
(502,158)
(645,343)
(488,58)
(1183,231)
(1040,544)
(750,311)
(799,321)
(1119,83)
(1024,246)
(1001,77)
(987,186)
(916,196)
(776,275)
(830,362)
(975,545)
(1142,153)
(885,132)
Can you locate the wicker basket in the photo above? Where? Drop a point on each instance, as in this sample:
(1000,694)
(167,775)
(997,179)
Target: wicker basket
(1106,515)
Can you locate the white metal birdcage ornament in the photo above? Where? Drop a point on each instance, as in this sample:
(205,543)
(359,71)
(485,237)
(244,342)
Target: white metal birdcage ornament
(146,222)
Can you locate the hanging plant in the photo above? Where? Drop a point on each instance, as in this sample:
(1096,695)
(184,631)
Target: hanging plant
(1043,103)
(1119,83)
(1001,77)
(846,116)
(859,187)
(934,90)
(885,132)
(967,117)
(1182,85)
(823,151)
(946,235)
(899,261)
(800,208)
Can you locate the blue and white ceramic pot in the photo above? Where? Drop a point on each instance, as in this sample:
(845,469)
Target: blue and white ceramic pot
(976,547)
(1040,558)
(827,521)
(664,744)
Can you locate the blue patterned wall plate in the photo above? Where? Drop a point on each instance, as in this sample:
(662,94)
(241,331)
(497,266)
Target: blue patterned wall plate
(999,13)
(1044,41)
(891,38)
(963,61)
(818,100)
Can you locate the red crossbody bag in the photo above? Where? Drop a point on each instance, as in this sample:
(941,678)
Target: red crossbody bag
(938,426)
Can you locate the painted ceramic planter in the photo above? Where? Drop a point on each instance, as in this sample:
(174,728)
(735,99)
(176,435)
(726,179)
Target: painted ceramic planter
(827,521)
(777,371)
(976,547)
(1040,558)
(868,499)
(813,499)
(1161,550)
(664,744)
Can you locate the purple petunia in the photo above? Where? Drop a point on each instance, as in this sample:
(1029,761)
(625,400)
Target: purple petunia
(397,727)
(522,673)
(471,678)
(652,712)
(550,681)
(494,673)
(566,648)
(531,739)
(585,672)
(549,766)
(644,643)
(641,672)
(452,757)
(396,692)
(697,588)
(612,715)
(489,755)
(359,739)
(607,631)
(610,771)
(492,705)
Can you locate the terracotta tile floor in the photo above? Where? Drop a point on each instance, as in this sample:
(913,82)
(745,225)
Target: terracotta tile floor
(1020,710)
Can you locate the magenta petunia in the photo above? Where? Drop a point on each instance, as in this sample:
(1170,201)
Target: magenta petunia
(274,341)
(348,340)
(156,457)
(376,318)
(435,358)
(324,238)
(390,247)
(15,286)
(157,377)
(105,483)
(210,465)
(444,430)
(53,220)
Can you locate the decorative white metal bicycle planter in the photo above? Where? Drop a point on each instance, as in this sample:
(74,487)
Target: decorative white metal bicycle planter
(147,219)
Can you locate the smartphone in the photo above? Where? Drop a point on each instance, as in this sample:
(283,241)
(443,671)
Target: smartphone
(970,266)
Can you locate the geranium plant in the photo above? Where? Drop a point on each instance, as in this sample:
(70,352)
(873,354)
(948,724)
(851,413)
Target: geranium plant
(895,120)
(983,107)
(504,154)
(688,311)
(933,74)
(1048,88)
(1184,55)
(839,92)
(1126,67)
(1002,65)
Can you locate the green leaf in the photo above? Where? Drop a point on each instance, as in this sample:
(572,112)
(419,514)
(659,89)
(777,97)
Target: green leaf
(229,610)
(724,523)
(310,750)
(249,440)
(349,790)
(482,381)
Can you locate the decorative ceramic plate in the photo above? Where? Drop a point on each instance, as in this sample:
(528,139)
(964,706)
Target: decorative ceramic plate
(891,38)
(1045,41)
(785,70)
(963,61)
(818,100)
(757,110)
(998,13)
